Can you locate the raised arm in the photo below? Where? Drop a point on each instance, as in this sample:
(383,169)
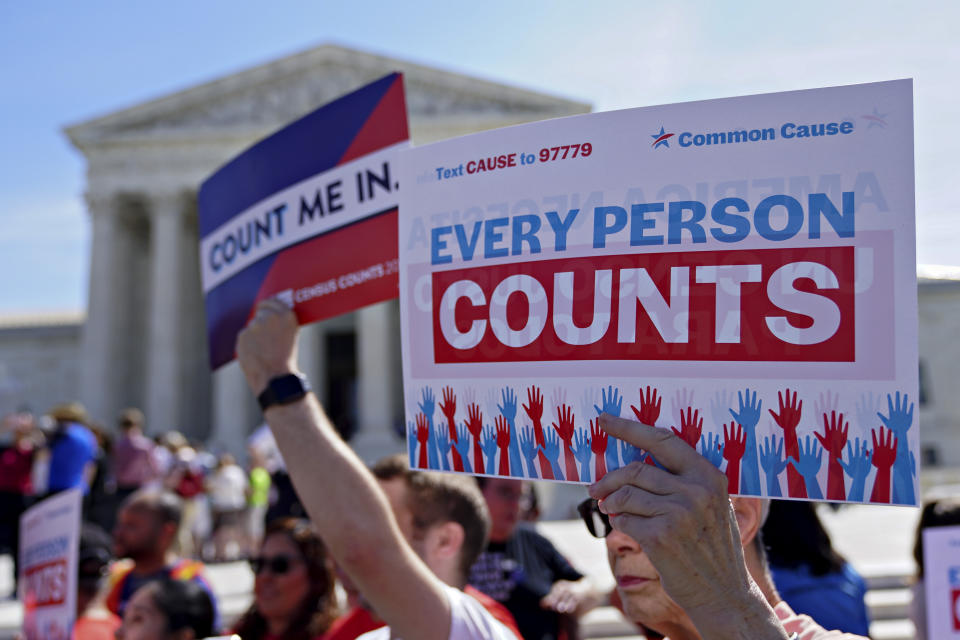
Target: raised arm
(340,495)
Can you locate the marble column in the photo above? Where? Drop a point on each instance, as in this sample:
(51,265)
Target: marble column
(164,327)
(377,378)
(98,379)
(312,357)
(234,414)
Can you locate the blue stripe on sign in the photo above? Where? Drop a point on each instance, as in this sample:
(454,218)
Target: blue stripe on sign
(308,146)
(228,307)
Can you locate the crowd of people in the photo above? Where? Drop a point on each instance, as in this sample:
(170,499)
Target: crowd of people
(390,552)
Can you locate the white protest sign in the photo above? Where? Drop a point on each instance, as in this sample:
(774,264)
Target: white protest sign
(941,581)
(49,541)
(741,270)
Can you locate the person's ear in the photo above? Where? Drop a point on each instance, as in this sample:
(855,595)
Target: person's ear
(749,514)
(447,540)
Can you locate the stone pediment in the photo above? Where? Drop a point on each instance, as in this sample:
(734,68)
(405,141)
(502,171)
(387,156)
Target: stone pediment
(263,98)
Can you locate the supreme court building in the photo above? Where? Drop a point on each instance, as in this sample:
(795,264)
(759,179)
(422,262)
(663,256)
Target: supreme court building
(143,342)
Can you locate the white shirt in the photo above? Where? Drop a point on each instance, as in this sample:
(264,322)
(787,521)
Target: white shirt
(469,620)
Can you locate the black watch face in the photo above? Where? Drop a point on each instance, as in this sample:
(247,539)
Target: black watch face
(287,387)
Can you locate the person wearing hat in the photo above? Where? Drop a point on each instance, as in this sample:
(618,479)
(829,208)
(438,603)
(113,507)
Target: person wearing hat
(72,448)
(94,620)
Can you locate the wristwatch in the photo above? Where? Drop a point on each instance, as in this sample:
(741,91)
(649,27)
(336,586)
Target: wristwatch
(283,390)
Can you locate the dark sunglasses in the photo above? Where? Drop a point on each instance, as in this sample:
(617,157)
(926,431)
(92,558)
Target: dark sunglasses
(598,523)
(278,565)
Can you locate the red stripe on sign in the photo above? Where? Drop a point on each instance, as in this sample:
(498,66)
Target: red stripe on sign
(788,305)
(386,125)
(46,584)
(339,271)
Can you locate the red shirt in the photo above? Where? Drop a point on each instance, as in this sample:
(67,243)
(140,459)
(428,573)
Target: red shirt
(16,462)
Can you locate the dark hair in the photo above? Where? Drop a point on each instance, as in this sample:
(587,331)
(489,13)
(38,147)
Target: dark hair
(164,504)
(944,512)
(794,537)
(185,604)
(93,557)
(319,608)
(436,498)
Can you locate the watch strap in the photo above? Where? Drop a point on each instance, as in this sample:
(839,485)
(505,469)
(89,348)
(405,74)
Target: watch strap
(283,390)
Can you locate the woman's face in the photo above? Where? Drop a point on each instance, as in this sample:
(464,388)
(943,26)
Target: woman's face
(142,620)
(282,582)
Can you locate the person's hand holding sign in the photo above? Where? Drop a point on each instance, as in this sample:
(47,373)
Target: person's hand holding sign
(682,518)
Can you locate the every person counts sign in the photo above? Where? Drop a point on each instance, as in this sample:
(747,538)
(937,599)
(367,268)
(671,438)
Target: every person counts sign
(741,271)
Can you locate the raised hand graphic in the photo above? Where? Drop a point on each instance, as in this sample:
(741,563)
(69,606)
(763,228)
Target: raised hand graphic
(773,464)
(748,416)
(720,407)
(534,409)
(649,411)
(691,426)
(412,443)
(787,419)
(712,449)
(508,409)
(611,402)
(449,409)
(551,449)
(529,449)
(598,444)
(443,449)
(582,452)
(474,425)
(884,455)
(734,443)
(489,447)
(423,437)
(857,465)
(867,407)
(833,439)
(564,428)
(808,465)
(503,441)
(462,447)
(826,402)
(427,406)
(899,418)
(588,401)
(628,452)
(682,399)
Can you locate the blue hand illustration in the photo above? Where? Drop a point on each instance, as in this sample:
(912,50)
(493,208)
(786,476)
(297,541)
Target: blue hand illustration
(509,407)
(628,452)
(612,402)
(857,466)
(583,454)
(489,447)
(771,459)
(462,445)
(412,443)
(443,449)
(712,449)
(528,448)
(747,417)
(808,465)
(899,420)
(428,403)
(551,449)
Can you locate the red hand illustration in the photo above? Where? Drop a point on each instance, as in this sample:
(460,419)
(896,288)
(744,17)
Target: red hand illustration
(565,430)
(423,433)
(503,441)
(884,455)
(691,426)
(649,409)
(534,409)
(788,419)
(834,439)
(598,444)
(734,445)
(449,408)
(475,426)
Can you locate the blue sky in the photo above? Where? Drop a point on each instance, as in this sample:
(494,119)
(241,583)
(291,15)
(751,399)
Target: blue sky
(67,62)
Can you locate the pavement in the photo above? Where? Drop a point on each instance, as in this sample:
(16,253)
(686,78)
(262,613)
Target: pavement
(877,540)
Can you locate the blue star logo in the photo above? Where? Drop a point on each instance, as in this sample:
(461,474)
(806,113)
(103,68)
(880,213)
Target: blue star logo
(660,139)
(876,119)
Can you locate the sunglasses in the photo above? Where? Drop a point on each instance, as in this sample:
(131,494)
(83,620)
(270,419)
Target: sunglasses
(598,523)
(278,565)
